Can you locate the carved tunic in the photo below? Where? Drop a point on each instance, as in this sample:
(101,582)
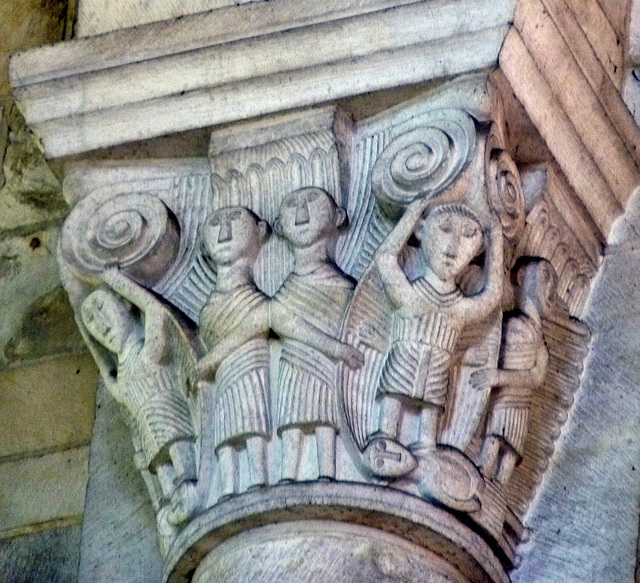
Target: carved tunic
(307,391)
(152,394)
(417,366)
(241,391)
(509,417)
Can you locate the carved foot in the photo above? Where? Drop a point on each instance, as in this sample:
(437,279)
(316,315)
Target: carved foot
(184,503)
(446,475)
(387,458)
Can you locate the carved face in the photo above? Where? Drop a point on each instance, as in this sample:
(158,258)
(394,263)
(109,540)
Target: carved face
(107,319)
(231,234)
(307,216)
(449,241)
(538,283)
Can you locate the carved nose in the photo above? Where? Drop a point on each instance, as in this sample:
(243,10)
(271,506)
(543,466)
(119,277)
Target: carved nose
(451,250)
(302,213)
(225,232)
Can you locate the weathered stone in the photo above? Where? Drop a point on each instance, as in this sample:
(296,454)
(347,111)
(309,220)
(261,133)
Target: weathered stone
(50,556)
(388,383)
(48,328)
(119,541)
(256,63)
(31,193)
(43,489)
(47,405)
(28,271)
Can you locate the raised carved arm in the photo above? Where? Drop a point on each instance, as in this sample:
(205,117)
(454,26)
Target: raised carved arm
(155,316)
(479,306)
(392,276)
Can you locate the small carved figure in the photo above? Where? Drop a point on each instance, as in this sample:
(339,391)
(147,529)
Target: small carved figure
(522,368)
(429,314)
(149,383)
(307,312)
(234,325)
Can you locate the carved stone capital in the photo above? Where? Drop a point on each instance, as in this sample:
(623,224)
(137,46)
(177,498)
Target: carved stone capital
(356,337)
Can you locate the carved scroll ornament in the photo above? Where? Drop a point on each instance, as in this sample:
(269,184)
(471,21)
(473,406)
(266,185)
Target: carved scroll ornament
(393,336)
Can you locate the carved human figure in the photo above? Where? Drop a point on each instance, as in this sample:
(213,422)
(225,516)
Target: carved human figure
(234,325)
(150,383)
(317,292)
(522,368)
(429,314)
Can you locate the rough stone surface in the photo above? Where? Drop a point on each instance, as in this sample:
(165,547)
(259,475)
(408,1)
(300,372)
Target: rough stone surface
(48,328)
(28,271)
(47,405)
(31,193)
(50,556)
(119,533)
(564,61)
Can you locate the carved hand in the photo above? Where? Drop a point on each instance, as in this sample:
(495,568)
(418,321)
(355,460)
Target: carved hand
(111,272)
(351,356)
(484,379)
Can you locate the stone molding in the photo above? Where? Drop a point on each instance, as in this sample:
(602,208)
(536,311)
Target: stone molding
(246,61)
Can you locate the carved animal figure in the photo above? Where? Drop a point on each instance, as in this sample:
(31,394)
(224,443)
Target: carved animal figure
(317,292)
(522,368)
(149,382)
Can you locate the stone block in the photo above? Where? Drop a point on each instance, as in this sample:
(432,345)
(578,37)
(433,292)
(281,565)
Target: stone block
(38,490)
(48,405)
(50,556)
(119,531)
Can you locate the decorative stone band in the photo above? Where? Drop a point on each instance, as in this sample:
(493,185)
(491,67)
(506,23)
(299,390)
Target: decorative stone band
(385,511)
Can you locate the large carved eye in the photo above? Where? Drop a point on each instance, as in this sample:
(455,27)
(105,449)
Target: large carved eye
(313,195)
(215,221)
(469,231)
(235,215)
(291,202)
(445,226)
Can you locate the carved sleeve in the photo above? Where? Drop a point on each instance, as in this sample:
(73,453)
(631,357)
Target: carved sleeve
(289,325)
(394,280)
(526,379)
(155,317)
(478,307)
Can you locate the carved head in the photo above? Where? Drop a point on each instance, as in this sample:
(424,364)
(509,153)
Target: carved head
(450,237)
(538,284)
(307,216)
(107,318)
(231,234)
